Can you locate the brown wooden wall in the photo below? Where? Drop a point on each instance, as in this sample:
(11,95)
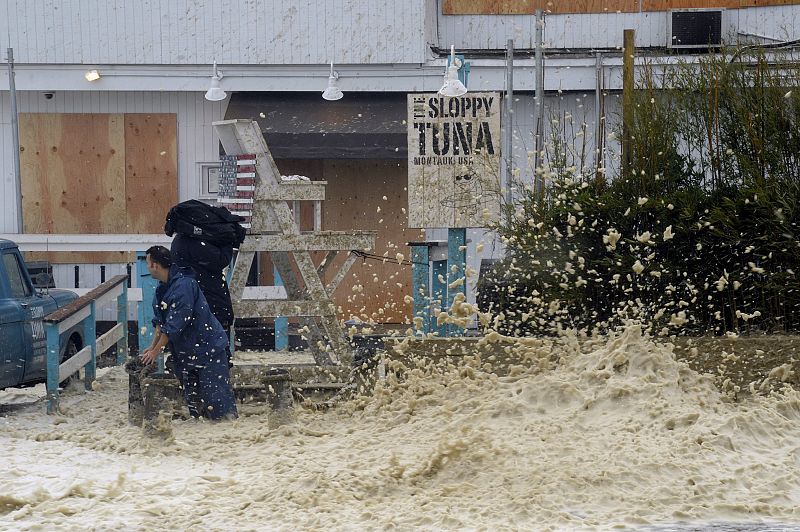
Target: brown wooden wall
(527,7)
(355,190)
(354,195)
(97,173)
(151,170)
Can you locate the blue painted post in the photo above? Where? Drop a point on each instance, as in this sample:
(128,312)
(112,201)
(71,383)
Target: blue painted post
(53,361)
(457,237)
(420,271)
(439,293)
(90,336)
(122,317)
(456,270)
(145,312)
(281,322)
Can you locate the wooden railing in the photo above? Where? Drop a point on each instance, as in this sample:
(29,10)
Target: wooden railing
(83,311)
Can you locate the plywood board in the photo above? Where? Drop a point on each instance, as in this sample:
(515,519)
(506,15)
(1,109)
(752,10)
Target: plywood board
(761,3)
(528,7)
(355,200)
(151,170)
(666,5)
(73,178)
(97,173)
(488,7)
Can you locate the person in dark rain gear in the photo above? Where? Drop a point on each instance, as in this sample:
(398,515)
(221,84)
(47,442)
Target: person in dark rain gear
(208,260)
(196,339)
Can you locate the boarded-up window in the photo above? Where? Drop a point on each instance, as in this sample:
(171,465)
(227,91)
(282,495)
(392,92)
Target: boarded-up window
(97,173)
(363,195)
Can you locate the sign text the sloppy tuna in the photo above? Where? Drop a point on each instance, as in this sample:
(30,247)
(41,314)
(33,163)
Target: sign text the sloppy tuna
(463,136)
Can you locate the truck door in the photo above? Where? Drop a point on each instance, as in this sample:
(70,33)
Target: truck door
(33,307)
(12,352)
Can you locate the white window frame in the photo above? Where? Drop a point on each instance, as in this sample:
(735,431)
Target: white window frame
(205,171)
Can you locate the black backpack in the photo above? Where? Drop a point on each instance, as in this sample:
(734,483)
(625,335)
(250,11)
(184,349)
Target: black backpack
(205,222)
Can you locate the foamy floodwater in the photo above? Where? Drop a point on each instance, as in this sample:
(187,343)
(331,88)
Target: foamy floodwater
(612,433)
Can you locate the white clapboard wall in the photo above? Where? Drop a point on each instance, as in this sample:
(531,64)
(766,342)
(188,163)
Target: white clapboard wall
(604,30)
(192,32)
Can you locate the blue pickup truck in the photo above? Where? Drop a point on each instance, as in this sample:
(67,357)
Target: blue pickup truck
(23,344)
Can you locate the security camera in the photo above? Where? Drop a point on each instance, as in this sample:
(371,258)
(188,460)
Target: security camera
(48,95)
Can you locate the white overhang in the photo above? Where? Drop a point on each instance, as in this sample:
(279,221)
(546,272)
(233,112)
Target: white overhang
(485,74)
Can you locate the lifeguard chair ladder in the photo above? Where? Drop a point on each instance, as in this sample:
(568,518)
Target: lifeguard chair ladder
(276,230)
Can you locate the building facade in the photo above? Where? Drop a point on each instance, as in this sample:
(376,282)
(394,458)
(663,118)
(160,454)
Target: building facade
(110,155)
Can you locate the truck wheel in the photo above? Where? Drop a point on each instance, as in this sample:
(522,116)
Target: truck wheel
(69,352)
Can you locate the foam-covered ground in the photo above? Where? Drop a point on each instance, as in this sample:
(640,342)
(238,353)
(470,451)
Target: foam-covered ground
(614,432)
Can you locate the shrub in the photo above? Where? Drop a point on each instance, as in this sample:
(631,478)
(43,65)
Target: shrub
(706,218)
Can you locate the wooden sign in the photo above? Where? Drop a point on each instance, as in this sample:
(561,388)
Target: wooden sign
(453,160)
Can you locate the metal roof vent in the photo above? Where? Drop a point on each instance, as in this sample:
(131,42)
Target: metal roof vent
(694,28)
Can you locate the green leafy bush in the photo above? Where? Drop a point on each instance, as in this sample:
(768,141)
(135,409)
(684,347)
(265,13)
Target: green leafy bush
(700,235)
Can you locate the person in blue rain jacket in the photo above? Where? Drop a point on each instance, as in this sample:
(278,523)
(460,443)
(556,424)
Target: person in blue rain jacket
(196,339)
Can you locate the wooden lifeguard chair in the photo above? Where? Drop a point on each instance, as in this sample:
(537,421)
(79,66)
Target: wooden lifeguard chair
(275,229)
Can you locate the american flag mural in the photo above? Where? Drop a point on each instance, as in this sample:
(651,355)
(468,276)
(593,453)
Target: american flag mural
(237,185)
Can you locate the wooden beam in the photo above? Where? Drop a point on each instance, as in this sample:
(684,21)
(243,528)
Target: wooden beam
(86,242)
(75,362)
(331,287)
(322,241)
(325,264)
(73,319)
(296,190)
(114,293)
(83,301)
(295,291)
(281,307)
(260,293)
(134,294)
(110,338)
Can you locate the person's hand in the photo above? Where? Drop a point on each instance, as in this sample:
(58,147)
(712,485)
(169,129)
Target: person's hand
(149,355)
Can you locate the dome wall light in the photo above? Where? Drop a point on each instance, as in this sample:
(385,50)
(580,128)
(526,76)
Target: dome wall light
(92,75)
(452,85)
(215,92)
(333,92)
